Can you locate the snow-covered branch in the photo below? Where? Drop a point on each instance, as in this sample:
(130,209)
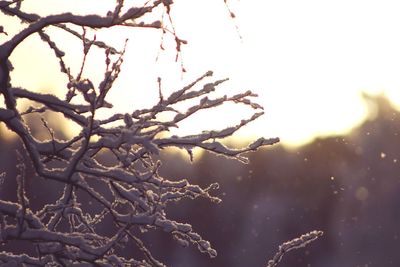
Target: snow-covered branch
(132,193)
(293,244)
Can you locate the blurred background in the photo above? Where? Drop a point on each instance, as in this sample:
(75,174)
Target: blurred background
(328,77)
(346,185)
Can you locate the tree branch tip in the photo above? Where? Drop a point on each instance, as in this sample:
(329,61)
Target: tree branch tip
(268,141)
(293,244)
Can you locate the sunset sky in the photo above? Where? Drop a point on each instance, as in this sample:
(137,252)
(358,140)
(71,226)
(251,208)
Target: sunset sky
(309,60)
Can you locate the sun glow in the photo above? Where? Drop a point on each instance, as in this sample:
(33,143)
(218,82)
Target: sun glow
(308,60)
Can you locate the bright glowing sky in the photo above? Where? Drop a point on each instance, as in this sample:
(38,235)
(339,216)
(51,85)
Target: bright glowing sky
(308,60)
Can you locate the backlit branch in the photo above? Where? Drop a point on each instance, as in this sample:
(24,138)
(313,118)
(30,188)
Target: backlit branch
(132,194)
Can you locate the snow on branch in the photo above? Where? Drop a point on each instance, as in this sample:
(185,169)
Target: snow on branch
(131,193)
(296,243)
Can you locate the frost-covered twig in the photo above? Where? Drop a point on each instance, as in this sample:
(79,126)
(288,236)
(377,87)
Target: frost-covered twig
(296,243)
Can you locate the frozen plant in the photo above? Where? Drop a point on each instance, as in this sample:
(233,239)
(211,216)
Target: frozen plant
(137,196)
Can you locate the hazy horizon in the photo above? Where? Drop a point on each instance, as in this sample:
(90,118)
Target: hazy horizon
(309,62)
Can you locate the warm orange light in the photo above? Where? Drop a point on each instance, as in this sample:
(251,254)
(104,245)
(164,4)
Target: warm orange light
(307,65)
